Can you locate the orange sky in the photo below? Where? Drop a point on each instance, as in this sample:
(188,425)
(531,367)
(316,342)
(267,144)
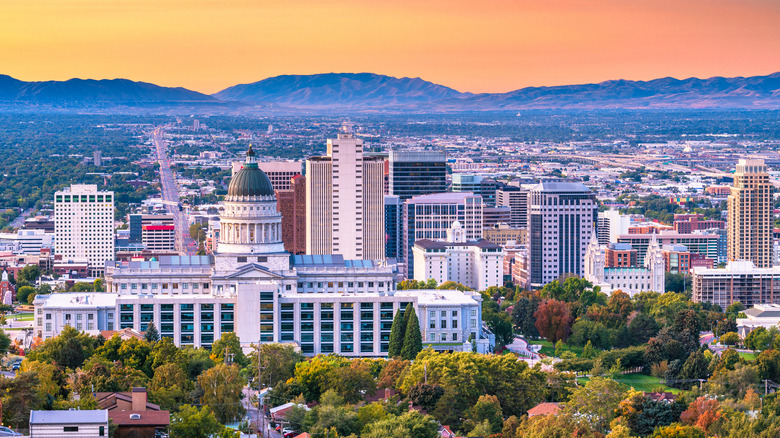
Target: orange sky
(470,45)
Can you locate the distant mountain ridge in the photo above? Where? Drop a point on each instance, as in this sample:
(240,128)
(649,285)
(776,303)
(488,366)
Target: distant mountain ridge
(341,89)
(374,92)
(94,91)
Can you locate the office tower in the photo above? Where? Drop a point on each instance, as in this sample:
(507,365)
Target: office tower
(750,214)
(429,217)
(740,281)
(292,204)
(516,198)
(136,223)
(414,173)
(611,225)
(345,201)
(84,225)
(704,244)
(561,218)
(494,215)
(97,160)
(278,172)
(394,214)
(158,237)
(477,184)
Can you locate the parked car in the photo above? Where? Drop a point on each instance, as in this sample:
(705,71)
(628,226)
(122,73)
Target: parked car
(4,431)
(15,367)
(287,433)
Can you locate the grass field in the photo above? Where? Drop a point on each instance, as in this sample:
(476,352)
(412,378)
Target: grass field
(548,348)
(640,382)
(747,356)
(22,317)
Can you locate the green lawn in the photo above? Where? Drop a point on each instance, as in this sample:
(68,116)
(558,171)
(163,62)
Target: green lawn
(22,317)
(548,348)
(747,356)
(640,382)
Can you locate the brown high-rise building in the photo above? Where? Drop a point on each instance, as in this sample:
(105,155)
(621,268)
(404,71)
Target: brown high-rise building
(292,204)
(750,214)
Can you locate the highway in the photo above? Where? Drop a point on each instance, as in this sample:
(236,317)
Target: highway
(170,194)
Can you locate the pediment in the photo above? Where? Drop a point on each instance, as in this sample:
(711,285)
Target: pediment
(251,271)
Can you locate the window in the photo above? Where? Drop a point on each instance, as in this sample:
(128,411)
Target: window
(432,337)
(70,429)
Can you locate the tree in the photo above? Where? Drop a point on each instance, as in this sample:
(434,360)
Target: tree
(29,273)
(397,333)
(677,282)
(196,361)
(165,352)
(487,409)
(82,286)
(191,422)
(68,350)
(736,382)
(588,352)
(151,334)
(642,328)
(413,336)
(170,387)
(553,320)
(702,413)
(391,372)
(410,424)
(277,363)
(730,338)
(23,293)
(597,400)
(768,363)
(523,316)
(426,396)
(222,391)
(678,431)
(228,343)
(353,382)
(695,367)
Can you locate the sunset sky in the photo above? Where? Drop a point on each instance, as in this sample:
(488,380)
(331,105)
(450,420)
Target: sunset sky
(470,45)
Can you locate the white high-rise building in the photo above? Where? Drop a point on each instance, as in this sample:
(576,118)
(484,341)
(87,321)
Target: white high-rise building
(561,219)
(84,225)
(345,201)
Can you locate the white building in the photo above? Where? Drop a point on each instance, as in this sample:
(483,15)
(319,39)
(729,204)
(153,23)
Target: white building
(78,423)
(477,264)
(84,225)
(251,286)
(88,312)
(26,241)
(430,216)
(158,237)
(611,225)
(345,201)
(561,220)
(630,280)
(760,315)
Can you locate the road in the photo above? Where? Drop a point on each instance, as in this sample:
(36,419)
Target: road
(170,194)
(19,221)
(252,414)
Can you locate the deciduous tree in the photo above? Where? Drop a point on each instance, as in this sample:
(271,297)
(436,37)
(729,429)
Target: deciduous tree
(222,391)
(553,320)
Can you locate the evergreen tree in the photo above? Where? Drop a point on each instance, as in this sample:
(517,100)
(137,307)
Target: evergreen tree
(412,337)
(151,335)
(397,332)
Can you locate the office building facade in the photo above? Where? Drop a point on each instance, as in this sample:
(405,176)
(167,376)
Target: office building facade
(750,220)
(292,205)
(561,219)
(516,198)
(84,225)
(414,173)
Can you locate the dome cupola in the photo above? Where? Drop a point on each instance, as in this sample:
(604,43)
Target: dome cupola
(250,181)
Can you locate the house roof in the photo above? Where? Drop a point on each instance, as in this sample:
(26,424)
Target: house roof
(281,411)
(661,396)
(147,418)
(69,417)
(108,400)
(544,409)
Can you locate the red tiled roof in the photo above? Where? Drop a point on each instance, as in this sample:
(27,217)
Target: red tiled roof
(148,418)
(544,409)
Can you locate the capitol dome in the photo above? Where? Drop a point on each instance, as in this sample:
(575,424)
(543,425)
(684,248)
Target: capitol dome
(250,180)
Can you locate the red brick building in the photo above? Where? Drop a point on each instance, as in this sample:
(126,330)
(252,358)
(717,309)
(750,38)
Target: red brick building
(688,223)
(292,205)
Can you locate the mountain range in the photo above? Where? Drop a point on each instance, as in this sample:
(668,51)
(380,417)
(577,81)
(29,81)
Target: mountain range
(368,91)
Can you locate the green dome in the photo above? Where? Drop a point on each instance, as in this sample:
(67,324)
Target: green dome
(250,180)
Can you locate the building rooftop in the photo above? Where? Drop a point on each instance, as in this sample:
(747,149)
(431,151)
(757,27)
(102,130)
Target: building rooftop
(763,311)
(77,300)
(335,260)
(561,186)
(69,417)
(440,296)
(442,198)
(436,244)
(166,261)
(736,267)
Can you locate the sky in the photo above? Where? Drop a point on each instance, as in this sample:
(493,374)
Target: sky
(469,45)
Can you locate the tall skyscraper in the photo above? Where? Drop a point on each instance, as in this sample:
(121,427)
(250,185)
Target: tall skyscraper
(84,225)
(750,214)
(561,219)
(516,198)
(97,159)
(394,213)
(414,173)
(345,201)
(292,204)
(430,216)
(476,184)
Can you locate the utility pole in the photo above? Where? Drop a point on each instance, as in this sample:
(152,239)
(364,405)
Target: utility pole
(425,369)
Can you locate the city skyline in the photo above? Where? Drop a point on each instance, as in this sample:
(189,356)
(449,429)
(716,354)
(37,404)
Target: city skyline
(495,48)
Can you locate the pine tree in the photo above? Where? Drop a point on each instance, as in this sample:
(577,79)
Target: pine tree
(397,333)
(151,335)
(412,337)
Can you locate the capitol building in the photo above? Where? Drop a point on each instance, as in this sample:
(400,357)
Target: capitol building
(253,287)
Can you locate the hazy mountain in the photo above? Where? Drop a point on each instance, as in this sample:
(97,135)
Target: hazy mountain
(90,91)
(716,92)
(340,89)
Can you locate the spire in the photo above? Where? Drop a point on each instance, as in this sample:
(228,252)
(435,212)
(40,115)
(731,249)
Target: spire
(250,155)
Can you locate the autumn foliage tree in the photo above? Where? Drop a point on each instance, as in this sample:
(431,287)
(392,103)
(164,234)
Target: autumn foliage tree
(554,320)
(702,413)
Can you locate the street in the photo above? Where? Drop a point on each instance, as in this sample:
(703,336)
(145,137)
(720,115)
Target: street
(170,194)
